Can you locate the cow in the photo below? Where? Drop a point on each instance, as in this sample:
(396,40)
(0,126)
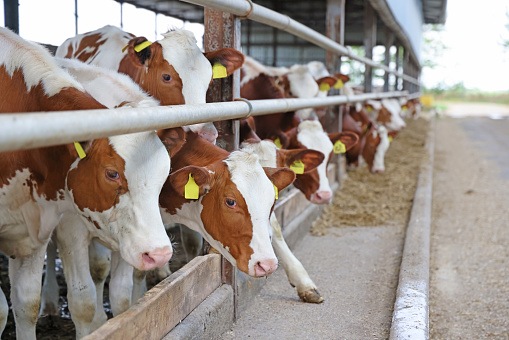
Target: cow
(373,142)
(290,131)
(112,89)
(386,112)
(111,184)
(173,70)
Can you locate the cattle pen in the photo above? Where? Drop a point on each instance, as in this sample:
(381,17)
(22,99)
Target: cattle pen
(158,314)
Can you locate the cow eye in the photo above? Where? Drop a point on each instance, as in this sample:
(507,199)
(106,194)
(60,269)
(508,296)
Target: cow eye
(166,77)
(230,203)
(112,174)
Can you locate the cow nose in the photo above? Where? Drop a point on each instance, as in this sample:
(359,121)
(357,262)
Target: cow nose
(157,258)
(321,197)
(265,267)
(209,135)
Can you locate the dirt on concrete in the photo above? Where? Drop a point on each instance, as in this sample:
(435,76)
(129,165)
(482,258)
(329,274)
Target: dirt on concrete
(469,274)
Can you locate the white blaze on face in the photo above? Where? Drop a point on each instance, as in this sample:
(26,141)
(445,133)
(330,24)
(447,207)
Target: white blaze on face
(258,192)
(393,106)
(134,225)
(312,136)
(180,50)
(35,62)
(265,150)
(302,85)
(381,150)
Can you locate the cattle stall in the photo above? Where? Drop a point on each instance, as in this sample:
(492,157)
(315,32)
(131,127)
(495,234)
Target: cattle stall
(233,24)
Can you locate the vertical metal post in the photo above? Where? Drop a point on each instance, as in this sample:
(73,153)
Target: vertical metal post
(76,16)
(389,41)
(369,43)
(11,15)
(397,66)
(406,68)
(274,46)
(122,15)
(223,30)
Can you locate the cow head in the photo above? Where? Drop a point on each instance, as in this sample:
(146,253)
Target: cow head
(175,71)
(310,135)
(236,198)
(386,113)
(116,189)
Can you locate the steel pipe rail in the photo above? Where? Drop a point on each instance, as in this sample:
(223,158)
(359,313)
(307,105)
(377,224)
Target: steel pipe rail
(34,130)
(248,10)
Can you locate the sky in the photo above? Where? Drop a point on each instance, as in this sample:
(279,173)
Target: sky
(472,34)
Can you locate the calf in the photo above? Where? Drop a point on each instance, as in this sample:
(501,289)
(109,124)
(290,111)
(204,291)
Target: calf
(387,113)
(112,186)
(172,70)
(373,143)
(290,132)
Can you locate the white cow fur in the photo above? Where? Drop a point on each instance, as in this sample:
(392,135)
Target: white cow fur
(312,136)
(25,214)
(295,271)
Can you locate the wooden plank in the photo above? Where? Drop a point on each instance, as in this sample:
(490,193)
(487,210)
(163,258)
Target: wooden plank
(369,43)
(389,41)
(166,304)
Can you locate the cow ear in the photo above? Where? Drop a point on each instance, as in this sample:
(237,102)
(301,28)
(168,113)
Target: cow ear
(173,139)
(309,158)
(343,77)
(79,149)
(180,178)
(139,50)
(326,83)
(230,58)
(348,138)
(280,177)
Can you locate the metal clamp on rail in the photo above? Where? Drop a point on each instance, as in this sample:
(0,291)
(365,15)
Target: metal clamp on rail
(246,16)
(248,103)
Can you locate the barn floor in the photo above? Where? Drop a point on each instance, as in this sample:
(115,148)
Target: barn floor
(356,268)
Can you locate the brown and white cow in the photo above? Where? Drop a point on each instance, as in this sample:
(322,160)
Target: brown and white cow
(386,112)
(288,129)
(373,142)
(114,188)
(173,70)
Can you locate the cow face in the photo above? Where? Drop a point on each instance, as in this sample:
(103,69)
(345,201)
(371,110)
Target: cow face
(116,189)
(386,113)
(175,71)
(236,199)
(309,134)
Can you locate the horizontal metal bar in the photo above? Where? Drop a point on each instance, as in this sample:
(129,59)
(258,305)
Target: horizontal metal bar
(283,22)
(34,130)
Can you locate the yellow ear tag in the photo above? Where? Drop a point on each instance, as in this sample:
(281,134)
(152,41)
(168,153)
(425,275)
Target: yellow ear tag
(324,87)
(275,190)
(404,108)
(79,149)
(278,143)
(339,84)
(297,167)
(142,46)
(390,139)
(192,190)
(125,48)
(339,147)
(218,71)
(369,109)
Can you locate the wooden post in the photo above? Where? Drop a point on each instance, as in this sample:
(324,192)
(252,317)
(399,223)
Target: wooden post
(406,68)
(335,29)
(223,30)
(369,43)
(389,41)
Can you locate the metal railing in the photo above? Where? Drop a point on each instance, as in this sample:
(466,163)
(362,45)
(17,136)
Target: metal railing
(40,129)
(248,10)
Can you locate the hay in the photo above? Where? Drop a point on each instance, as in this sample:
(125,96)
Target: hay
(367,199)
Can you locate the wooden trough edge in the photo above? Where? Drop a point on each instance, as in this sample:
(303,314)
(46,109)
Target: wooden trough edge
(166,304)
